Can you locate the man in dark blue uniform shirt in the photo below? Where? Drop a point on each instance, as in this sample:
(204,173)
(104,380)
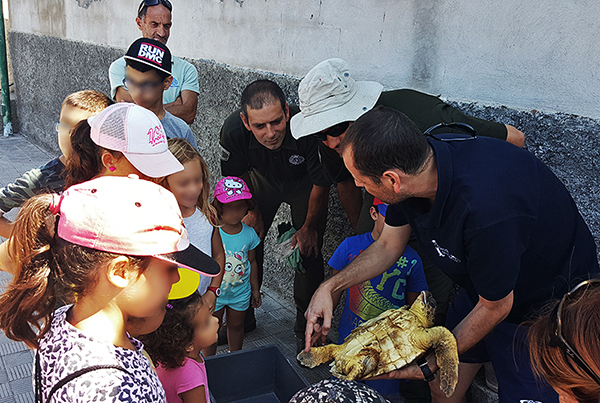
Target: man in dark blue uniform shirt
(491,216)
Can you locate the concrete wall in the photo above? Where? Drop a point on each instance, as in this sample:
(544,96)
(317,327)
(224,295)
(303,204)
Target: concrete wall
(474,58)
(526,55)
(49,68)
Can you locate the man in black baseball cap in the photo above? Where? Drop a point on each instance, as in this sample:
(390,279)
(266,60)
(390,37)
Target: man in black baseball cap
(181,97)
(147,76)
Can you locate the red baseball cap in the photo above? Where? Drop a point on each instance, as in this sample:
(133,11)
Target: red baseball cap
(381,206)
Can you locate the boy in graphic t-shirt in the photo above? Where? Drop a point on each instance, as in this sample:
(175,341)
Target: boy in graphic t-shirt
(397,287)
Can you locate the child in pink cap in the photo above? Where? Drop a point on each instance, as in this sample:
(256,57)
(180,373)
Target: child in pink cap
(239,287)
(111,247)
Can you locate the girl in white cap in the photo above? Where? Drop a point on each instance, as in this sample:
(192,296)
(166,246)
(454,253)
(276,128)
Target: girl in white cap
(121,140)
(111,247)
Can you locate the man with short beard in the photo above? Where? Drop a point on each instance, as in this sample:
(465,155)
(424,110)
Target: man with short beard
(181,98)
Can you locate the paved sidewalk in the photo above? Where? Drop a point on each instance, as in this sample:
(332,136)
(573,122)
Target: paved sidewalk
(275,318)
(17,156)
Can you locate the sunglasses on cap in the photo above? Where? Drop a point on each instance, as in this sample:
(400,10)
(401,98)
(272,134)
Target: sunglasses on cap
(470,133)
(150,3)
(333,131)
(556,336)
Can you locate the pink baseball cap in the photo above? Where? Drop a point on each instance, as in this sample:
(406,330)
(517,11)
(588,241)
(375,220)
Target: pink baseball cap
(232,188)
(138,134)
(131,216)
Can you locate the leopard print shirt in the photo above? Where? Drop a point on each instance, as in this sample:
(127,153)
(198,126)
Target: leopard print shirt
(64,349)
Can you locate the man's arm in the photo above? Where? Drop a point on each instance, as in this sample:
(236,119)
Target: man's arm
(351,199)
(254,217)
(184,106)
(515,136)
(6,263)
(479,322)
(122,95)
(306,237)
(376,259)
(5,227)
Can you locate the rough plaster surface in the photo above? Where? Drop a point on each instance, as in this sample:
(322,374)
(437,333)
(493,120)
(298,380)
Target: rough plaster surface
(47,69)
(536,54)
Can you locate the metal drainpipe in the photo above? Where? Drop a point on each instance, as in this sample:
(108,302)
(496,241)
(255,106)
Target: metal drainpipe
(4,76)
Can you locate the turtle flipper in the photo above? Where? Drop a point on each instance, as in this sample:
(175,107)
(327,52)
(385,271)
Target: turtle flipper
(446,353)
(357,367)
(317,355)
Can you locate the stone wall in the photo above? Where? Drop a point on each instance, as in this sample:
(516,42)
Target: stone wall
(48,68)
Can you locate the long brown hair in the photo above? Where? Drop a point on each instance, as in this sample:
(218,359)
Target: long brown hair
(85,159)
(581,328)
(46,267)
(185,152)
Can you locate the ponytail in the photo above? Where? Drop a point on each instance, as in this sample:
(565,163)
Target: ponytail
(26,306)
(46,268)
(85,159)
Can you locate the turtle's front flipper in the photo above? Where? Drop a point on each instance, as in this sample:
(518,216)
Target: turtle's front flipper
(446,353)
(317,355)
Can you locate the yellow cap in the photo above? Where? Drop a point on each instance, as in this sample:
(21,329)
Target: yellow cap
(187,284)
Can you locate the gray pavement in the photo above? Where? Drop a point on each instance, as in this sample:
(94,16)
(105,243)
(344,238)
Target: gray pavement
(275,318)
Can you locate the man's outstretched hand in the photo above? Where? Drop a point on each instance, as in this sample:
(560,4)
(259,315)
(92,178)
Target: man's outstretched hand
(318,317)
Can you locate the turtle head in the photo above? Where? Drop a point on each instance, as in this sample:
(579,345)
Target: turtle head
(424,308)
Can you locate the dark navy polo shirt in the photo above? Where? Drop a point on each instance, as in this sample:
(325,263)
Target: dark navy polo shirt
(501,221)
(292,161)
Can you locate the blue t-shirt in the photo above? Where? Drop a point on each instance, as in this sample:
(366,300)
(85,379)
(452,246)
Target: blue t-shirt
(185,77)
(387,291)
(369,299)
(235,286)
(176,127)
(501,221)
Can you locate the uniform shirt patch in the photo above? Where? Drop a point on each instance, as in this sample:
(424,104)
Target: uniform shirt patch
(296,159)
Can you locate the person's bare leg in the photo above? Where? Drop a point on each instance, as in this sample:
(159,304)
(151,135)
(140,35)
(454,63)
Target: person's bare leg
(235,329)
(212,350)
(466,374)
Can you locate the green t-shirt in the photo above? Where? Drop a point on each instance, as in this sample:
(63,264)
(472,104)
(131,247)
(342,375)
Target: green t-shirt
(185,77)
(426,111)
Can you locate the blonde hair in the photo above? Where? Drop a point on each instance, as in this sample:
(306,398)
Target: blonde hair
(580,327)
(88,100)
(185,152)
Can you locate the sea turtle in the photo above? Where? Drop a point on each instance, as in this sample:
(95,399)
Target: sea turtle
(390,341)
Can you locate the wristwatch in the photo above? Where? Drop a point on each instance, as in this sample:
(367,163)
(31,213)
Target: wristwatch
(216,290)
(422,363)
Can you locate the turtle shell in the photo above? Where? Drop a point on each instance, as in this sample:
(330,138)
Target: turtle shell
(387,338)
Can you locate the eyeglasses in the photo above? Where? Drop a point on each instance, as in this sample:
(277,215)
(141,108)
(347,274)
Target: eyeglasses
(556,337)
(333,131)
(61,126)
(150,3)
(146,86)
(470,132)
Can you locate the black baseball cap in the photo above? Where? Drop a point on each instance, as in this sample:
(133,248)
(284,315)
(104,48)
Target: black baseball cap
(150,52)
